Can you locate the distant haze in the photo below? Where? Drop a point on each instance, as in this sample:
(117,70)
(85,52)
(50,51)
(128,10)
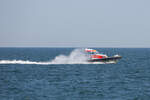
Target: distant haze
(74,23)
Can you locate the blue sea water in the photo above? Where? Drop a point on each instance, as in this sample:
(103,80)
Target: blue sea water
(129,79)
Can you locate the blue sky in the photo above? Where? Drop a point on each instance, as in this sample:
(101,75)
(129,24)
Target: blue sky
(74,23)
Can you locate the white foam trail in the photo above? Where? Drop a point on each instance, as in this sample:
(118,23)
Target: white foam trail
(20,62)
(77,56)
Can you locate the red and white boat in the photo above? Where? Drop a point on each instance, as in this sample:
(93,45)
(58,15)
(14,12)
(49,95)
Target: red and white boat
(95,56)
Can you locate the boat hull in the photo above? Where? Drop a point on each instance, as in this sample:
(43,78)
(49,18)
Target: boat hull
(108,59)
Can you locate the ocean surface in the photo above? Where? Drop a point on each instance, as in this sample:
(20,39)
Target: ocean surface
(62,74)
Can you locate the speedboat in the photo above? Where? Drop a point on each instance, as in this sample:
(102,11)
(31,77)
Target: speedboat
(95,56)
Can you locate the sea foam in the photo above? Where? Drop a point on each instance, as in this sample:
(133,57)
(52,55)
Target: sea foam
(77,56)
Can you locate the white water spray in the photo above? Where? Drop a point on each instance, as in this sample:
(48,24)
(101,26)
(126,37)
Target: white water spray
(76,57)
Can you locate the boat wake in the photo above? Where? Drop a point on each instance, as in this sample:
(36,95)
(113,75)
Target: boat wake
(77,56)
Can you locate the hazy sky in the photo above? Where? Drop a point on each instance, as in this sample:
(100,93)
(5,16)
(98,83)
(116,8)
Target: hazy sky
(81,23)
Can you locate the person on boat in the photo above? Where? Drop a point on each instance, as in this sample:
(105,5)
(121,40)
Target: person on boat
(95,54)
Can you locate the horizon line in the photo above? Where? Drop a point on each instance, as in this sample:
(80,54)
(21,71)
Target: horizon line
(64,47)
